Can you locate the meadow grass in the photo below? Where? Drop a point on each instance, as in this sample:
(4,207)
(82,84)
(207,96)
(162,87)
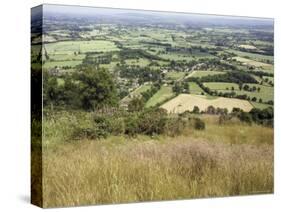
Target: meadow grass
(222,160)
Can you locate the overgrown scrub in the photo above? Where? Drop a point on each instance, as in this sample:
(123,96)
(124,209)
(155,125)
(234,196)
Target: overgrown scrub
(63,126)
(141,169)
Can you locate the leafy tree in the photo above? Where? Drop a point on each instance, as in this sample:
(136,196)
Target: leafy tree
(196,110)
(211,110)
(245,117)
(246,87)
(199,124)
(96,89)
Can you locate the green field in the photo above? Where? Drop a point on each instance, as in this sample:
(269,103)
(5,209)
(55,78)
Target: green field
(252,56)
(53,64)
(260,105)
(163,94)
(266,93)
(204,73)
(69,47)
(265,67)
(174,75)
(270,79)
(136,93)
(141,89)
(67,57)
(195,89)
(109,66)
(221,86)
(138,62)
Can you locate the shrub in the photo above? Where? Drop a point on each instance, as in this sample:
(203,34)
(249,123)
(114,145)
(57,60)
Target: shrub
(245,117)
(174,126)
(153,122)
(199,124)
(136,104)
(116,125)
(131,125)
(196,110)
(84,133)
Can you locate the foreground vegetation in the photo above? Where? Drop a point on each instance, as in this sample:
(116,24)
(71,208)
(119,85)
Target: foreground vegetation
(197,163)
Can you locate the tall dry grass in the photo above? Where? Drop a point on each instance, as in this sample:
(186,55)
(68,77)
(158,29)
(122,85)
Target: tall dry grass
(220,161)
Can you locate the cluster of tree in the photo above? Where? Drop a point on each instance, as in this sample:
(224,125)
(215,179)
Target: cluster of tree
(261,73)
(87,89)
(150,92)
(269,81)
(233,94)
(137,103)
(148,122)
(93,59)
(126,53)
(251,89)
(144,74)
(258,116)
(156,43)
(238,77)
(216,63)
(210,110)
(180,87)
(189,50)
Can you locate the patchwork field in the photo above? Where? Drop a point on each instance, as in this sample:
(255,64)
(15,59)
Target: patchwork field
(186,102)
(260,105)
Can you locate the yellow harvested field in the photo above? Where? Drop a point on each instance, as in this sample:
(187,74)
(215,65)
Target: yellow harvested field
(247,46)
(186,102)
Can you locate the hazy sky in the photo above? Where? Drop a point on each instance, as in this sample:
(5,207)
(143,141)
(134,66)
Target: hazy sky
(96,10)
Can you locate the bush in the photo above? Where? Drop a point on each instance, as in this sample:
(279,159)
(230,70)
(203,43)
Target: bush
(199,124)
(245,117)
(84,133)
(153,122)
(174,126)
(116,126)
(131,125)
(136,104)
